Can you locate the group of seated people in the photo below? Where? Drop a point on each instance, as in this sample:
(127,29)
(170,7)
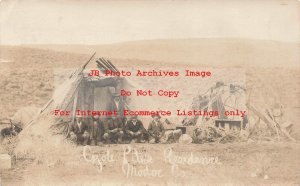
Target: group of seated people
(95,130)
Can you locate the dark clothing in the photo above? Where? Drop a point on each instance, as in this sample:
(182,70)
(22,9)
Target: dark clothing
(112,124)
(138,136)
(156,130)
(79,127)
(114,137)
(113,130)
(135,131)
(119,107)
(95,129)
(138,127)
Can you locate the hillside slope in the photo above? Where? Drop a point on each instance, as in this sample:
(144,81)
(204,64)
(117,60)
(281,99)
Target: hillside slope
(225,52)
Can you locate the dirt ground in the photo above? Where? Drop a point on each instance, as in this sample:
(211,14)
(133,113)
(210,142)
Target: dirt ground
(263,163)
(28,80)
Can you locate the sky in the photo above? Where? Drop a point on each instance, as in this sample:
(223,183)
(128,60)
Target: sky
(104,22)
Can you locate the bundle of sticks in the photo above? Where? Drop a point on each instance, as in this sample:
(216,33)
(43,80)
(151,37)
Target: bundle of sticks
(105,65)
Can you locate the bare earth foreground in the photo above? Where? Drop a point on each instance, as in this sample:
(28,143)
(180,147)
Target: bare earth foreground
(239,164)
(27,80)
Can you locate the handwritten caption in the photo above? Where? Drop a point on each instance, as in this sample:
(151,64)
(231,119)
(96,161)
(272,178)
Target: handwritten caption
(138,162)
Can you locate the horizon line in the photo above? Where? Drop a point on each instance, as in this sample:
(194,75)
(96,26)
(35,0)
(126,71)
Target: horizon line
(145,40)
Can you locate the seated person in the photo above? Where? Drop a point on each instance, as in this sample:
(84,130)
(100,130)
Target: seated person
(79,131)
(156,130)
(113,130)
(135,130)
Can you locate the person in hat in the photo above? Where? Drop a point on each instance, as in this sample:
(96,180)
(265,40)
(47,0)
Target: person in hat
(118,105)
(135,130)
(113,130)
(156,130)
